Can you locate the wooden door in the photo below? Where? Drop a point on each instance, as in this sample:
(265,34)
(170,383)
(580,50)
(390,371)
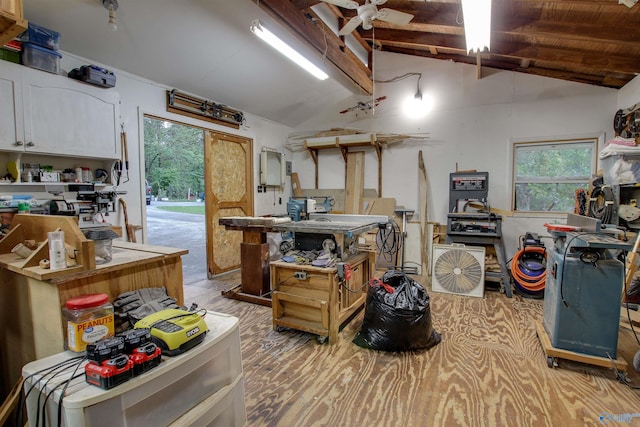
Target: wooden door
(228,192)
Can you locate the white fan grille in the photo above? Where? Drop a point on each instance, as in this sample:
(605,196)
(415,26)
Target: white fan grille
(456,270)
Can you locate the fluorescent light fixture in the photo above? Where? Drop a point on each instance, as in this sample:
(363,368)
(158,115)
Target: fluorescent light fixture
(477,24)
(286,50)
(628,3)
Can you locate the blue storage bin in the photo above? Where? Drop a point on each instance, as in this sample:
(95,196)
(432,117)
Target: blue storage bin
(41,36)
(35,56)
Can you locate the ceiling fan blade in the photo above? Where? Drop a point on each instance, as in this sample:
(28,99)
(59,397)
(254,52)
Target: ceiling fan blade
(378,2)
(350,26)
(347,4)
(394,16)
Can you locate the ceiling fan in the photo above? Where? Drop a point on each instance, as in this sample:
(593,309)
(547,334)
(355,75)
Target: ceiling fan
(367,13)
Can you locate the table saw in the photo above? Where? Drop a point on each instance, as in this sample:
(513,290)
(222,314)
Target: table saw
(342,229)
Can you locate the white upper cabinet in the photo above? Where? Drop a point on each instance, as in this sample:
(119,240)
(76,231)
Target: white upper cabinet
(11,124)
(57,115)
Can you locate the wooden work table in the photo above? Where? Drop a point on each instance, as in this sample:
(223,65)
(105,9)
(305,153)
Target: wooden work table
(319,302)
(31,298)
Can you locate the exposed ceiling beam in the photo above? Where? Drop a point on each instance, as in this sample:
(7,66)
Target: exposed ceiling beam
(505,64)
(588,59)
(321,39)
(588,41)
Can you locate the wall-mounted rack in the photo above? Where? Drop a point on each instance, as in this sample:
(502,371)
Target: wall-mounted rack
(343,142)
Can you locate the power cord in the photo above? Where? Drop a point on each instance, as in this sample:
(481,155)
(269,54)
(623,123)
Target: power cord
(19,420)
(564,259)
(605,210)
(388,241)
(64,390)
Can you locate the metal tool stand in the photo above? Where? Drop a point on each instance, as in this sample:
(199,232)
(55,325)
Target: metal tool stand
(484,230)
(401,266)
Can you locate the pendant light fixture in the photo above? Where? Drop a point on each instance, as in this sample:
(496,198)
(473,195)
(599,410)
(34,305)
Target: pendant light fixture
(111,6)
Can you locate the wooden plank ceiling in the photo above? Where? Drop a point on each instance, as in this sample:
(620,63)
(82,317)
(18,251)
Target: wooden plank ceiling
(588,41)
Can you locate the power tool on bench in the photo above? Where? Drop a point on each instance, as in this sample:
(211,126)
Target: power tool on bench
(299,208)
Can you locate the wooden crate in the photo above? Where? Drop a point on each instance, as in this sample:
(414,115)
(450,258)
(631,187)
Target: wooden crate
(320,303)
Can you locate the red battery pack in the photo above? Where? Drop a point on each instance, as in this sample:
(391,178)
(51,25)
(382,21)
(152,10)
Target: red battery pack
(145,357)
(109,373)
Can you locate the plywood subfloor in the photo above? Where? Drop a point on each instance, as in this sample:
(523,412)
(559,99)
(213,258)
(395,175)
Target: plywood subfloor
(489,370)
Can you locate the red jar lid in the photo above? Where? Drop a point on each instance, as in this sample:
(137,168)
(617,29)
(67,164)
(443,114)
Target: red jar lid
(87,301)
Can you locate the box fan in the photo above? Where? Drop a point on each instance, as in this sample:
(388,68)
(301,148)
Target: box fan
(458,269)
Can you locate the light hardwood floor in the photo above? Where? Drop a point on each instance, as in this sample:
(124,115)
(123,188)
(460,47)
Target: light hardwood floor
(489,370)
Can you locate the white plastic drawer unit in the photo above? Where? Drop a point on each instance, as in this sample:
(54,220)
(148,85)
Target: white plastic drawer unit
(211,371)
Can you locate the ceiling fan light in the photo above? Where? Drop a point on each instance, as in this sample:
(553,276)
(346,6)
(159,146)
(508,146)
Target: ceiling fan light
(266,35)
(477,24)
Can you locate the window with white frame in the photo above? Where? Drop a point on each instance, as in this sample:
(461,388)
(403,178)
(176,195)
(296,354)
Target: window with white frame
(546,174)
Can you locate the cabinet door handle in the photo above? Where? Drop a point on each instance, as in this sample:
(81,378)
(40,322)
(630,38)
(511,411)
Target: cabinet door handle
(30,144)
(18,143)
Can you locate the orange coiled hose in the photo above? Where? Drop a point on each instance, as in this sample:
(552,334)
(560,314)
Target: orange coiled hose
(530,283)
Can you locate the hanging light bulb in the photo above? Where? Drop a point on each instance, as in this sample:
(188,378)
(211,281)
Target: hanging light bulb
(112,6)
(418,106)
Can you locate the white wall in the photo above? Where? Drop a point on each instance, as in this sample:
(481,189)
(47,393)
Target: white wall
(629,95)
(140,96)
(471,126)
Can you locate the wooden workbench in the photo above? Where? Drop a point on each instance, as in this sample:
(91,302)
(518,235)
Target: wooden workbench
(319,303)
(31,298)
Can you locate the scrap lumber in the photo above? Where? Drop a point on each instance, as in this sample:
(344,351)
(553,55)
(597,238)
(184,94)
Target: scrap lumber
(354,183)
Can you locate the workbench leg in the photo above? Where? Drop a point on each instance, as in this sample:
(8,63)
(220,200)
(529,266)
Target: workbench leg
(500,254)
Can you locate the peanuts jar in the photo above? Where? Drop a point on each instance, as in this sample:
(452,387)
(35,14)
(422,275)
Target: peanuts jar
(89,318)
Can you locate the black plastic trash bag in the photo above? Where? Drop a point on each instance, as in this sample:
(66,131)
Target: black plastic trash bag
(397,315)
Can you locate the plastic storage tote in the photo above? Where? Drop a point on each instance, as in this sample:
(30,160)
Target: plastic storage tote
(38,57)
(41,36)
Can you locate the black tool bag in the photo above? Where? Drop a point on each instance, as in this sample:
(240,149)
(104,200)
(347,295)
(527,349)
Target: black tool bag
(397,315)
